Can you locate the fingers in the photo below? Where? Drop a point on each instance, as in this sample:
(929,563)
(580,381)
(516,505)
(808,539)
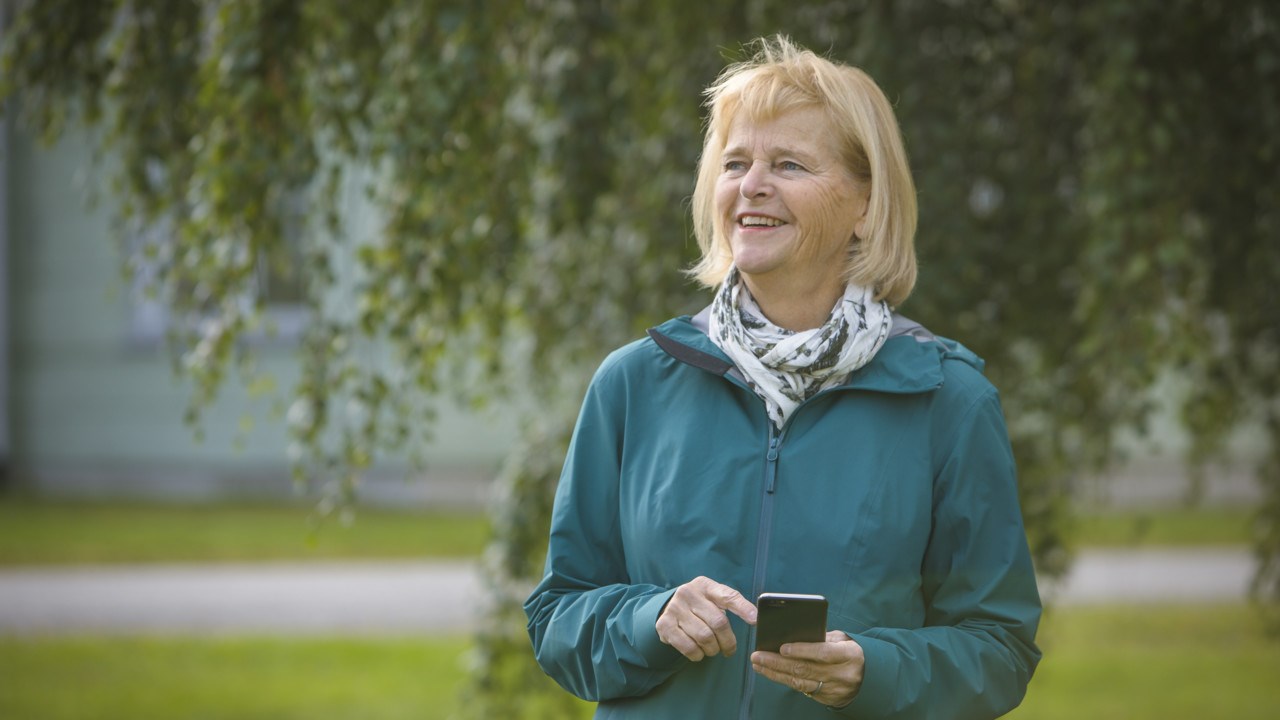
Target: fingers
(713,632)
(829,672)
(827,652)
(785,670)
(732,600)
(670,633)
(799,676)
(694,620)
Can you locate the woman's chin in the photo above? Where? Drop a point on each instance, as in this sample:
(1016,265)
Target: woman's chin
(759,260)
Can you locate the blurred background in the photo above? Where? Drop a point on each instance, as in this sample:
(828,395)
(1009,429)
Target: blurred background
(298,300)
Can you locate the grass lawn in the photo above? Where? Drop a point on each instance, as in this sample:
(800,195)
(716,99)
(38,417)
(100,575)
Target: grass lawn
(1135,663)
(48,532)
(63,532)
(1164,527)
(242,678)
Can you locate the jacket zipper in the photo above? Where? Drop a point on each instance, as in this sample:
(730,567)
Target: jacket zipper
(776,437)
(768,488)
(769,485)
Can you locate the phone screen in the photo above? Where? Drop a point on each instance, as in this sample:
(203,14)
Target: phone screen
(783,618)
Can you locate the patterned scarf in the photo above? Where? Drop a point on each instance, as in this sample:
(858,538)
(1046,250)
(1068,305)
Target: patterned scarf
(784,367)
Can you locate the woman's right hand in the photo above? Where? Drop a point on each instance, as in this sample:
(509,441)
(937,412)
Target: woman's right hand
(694,620)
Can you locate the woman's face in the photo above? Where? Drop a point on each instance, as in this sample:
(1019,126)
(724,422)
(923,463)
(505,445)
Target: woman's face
(785,201)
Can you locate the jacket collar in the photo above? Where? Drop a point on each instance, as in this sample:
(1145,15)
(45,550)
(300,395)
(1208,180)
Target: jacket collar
(909,362)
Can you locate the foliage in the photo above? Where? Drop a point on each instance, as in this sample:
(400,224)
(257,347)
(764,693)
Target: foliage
(1097,189)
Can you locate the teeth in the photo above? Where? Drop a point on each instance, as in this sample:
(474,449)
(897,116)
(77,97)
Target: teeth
(761,221)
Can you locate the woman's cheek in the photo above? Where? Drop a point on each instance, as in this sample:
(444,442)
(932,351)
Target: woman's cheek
(829,225)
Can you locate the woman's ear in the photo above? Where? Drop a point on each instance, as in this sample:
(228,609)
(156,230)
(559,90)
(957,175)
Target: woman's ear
(860,225)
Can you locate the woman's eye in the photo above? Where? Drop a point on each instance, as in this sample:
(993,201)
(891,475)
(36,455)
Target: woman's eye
(732,165)
(788,165)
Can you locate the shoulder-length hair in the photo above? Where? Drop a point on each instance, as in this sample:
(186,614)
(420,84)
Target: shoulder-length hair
(782,77)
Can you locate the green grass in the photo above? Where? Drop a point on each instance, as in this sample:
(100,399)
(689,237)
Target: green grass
(1140,663)
(242,678)
(48,532)
(1108,663)
(64,532)
(1164,527)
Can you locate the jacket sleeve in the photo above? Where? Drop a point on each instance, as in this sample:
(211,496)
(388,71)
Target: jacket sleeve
(976,653)
(593,631)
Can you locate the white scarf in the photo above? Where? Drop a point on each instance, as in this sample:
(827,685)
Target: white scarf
(785,367)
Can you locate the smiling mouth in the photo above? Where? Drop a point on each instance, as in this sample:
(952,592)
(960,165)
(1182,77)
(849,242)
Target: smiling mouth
(759,221)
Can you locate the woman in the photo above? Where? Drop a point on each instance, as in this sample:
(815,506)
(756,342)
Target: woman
(796,436)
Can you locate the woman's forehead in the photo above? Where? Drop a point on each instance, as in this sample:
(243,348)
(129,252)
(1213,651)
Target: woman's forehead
(802,129)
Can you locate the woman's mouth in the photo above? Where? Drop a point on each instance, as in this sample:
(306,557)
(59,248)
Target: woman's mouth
(759,221)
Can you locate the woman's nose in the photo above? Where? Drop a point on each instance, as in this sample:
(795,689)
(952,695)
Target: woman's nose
(755,183)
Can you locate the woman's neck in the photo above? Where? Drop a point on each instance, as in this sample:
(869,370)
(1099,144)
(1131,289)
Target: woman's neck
(795,307)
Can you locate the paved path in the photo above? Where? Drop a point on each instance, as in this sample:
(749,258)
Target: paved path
(438,598)
(312,598)
(1155,575)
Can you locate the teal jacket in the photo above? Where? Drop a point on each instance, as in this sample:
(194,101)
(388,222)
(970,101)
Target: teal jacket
(894,495)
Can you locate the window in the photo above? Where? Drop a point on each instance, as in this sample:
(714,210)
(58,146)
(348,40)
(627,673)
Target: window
(281,284)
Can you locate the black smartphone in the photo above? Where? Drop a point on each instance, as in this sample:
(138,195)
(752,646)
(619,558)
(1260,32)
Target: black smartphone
(785,617)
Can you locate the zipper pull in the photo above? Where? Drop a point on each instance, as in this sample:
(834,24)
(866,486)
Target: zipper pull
(772,457)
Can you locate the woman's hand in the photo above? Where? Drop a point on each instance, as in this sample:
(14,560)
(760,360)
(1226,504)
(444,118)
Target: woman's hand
(694,620)
(829,672)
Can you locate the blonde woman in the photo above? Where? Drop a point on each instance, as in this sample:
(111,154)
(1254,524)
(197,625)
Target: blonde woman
(795,436)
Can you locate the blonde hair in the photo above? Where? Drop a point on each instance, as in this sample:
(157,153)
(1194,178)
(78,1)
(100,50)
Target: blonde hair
(782,77)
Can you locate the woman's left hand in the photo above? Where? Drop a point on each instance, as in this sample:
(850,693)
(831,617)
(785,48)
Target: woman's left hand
(829,672)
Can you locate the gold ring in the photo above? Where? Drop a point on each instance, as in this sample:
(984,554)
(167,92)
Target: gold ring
(816,690)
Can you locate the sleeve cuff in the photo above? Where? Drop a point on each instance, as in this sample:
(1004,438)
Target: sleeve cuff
(645,633)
